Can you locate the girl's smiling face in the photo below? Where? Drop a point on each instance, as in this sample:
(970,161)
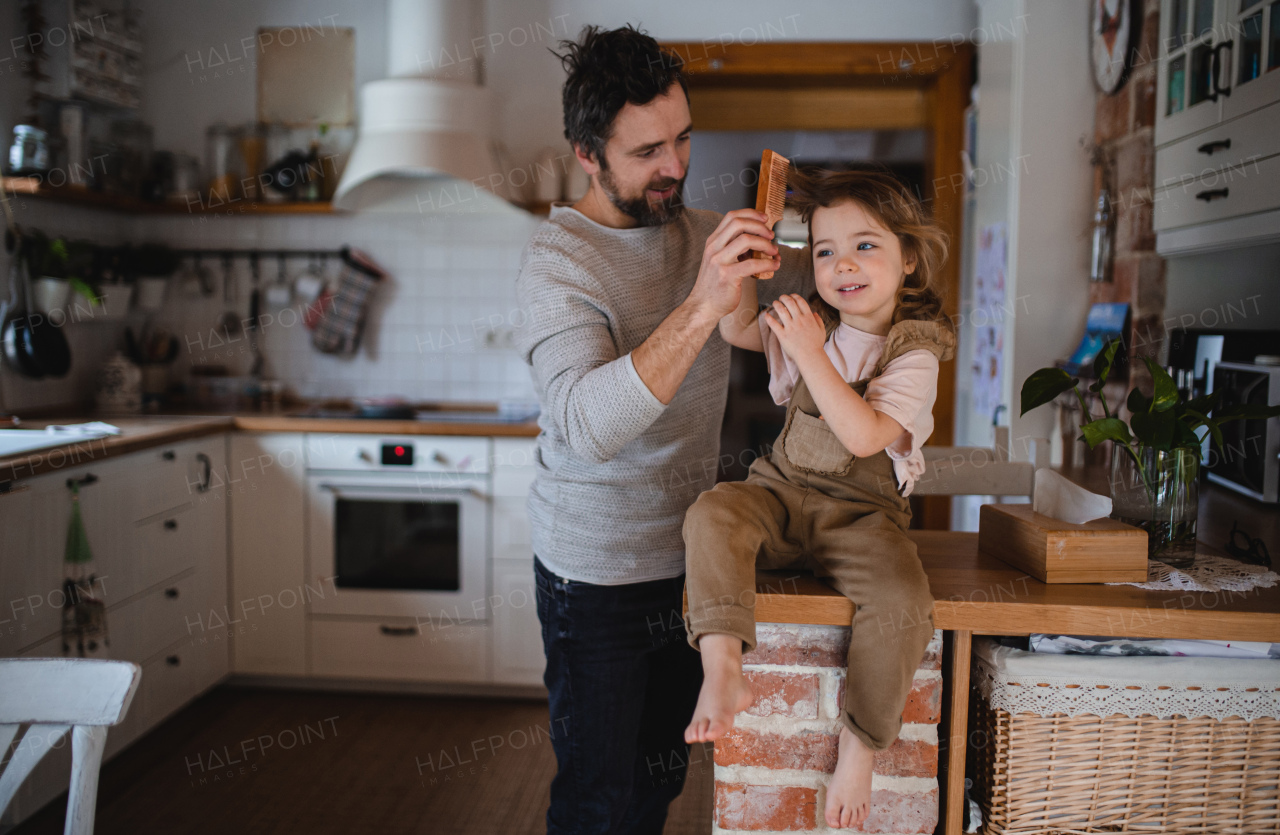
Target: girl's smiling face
(858,265)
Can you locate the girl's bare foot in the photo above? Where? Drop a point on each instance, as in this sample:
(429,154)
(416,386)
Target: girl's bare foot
(724,694)
(849,792)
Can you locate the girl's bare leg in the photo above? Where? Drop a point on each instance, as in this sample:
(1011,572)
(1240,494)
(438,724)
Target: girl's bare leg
(849,792)
(725,692)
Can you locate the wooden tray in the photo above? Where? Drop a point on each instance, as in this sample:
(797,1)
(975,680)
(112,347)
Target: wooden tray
(1053,551)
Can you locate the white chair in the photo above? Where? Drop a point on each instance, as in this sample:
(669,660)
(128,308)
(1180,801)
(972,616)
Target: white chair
(978,471)
(53,696)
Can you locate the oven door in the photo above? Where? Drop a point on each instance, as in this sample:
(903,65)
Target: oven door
(397,544)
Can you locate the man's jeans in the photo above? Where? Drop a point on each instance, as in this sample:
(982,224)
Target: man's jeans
(623,683)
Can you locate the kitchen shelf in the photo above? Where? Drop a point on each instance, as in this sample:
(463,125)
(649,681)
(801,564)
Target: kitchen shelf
(31,187)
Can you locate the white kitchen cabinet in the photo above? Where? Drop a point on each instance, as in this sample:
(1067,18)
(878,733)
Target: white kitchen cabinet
(33,532)
(517,634)
(518,655)
(157,580)
(1217,109)
(513,472)
(400,649)
(266,481)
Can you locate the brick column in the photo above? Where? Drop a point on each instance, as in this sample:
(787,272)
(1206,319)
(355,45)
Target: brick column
(1123,127)
(772,770)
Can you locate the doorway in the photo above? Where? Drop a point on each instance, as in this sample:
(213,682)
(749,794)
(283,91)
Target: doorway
(837,103)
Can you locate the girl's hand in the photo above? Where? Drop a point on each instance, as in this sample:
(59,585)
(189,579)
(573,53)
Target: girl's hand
(799,329)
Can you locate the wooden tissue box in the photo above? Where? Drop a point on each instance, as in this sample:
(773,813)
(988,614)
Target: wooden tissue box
(1101,551)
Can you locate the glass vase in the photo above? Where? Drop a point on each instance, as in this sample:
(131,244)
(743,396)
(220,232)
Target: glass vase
(1161,496)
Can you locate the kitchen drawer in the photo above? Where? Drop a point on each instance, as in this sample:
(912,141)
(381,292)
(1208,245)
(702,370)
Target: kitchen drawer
(162,616)
(399,649)
(178,674)
(1254,187)
(170,543)
(174,475)
(1252,136)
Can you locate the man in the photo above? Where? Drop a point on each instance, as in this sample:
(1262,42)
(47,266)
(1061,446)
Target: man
(622,293)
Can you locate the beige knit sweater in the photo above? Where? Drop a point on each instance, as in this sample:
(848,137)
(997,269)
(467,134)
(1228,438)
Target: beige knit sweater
(616,469)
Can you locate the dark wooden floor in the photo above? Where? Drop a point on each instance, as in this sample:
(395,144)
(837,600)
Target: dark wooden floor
(272,761)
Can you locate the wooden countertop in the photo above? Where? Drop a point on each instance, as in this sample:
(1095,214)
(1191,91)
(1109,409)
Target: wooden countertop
(282,422)
(138,432)
(975,592)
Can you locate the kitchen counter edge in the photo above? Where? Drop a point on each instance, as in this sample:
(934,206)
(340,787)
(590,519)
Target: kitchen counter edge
(140,432)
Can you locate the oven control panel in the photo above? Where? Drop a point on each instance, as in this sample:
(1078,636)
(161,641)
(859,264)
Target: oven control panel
(397,455)
(408,453)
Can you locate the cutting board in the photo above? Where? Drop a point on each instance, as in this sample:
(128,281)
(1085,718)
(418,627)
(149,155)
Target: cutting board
(1101,551)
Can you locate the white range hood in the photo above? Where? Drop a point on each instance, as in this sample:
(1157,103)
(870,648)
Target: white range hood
(424,144)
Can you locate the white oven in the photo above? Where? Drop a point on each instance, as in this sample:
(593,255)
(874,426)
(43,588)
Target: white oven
(399,526)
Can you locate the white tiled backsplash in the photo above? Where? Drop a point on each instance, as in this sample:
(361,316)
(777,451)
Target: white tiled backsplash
(439,329)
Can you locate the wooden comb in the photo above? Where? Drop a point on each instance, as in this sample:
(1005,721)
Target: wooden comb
(771,193)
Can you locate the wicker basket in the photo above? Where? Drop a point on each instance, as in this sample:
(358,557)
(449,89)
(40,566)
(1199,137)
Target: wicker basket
(1204,759)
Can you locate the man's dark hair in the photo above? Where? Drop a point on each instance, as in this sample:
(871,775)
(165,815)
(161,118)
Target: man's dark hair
(607,70)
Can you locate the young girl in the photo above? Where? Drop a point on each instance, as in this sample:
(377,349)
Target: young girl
(858,363)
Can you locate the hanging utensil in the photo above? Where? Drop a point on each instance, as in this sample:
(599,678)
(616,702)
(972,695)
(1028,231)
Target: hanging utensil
(255,310)
(197,282)
(229,321)
(15,313)
(280,293)
(307,286)
(38,345)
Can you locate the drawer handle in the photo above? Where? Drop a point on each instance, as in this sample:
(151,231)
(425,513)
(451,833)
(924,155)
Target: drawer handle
(398,630)
(1213,194)
(1217,67)
(88,478)
(168,455)
(1215,145)
(207,478)
(173,661)
(171,593)
(170,524)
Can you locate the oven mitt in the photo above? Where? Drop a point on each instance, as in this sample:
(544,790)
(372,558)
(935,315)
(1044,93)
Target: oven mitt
(340,325)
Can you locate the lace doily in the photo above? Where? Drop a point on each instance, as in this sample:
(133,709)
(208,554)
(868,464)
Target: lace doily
(1208,573)
(1042,684)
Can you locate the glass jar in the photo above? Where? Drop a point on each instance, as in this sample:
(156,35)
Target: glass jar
(1160,493)
(224,164)
(132,138)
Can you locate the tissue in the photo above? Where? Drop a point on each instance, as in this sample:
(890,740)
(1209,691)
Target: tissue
(1066,501)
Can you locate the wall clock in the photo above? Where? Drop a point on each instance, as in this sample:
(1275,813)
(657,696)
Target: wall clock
(1113,30)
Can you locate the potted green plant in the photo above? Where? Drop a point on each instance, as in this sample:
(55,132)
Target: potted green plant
(56,269)
(1156,461)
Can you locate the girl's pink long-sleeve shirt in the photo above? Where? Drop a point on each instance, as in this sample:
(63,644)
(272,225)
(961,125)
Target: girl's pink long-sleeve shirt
(905,391)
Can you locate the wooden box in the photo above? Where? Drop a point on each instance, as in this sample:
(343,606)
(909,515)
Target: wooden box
(1101,551)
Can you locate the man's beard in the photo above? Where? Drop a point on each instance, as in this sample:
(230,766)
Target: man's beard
(639,208)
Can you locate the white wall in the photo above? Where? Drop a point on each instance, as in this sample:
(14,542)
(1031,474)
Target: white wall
(1036,107)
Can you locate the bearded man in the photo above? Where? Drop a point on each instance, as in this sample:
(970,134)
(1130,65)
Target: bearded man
(622,293)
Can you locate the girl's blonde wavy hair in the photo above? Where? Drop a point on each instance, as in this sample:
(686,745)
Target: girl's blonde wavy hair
(889,201)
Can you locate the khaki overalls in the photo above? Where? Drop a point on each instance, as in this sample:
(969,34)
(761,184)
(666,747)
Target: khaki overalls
(812,505)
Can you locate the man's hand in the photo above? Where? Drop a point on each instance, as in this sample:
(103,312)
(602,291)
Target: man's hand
(726,260)
(799,329)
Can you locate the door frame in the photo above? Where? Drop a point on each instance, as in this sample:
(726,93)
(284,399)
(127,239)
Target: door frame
(923,85)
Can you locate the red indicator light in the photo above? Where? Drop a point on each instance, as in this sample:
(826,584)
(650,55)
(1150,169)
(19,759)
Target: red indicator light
(399,452)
